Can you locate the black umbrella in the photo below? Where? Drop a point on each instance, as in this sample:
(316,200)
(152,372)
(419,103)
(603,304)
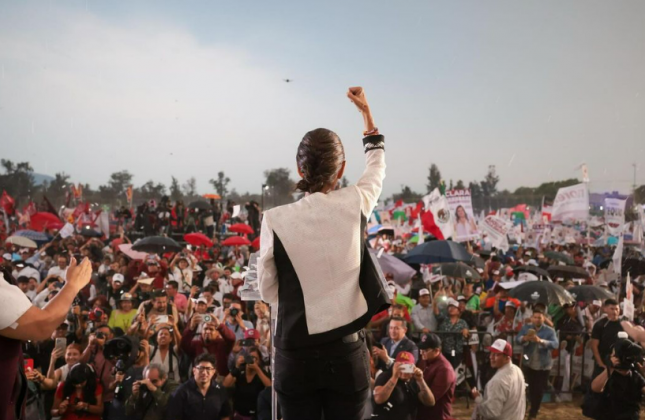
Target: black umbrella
(90,233)
(568,272)
(477,262)
(540,272)
(634,266)
(542,292)
(156,245)
(438,252)
(588,293)
(459,269)
(558,256)
(199,204)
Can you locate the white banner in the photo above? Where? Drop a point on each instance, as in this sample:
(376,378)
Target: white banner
(496,228)
(614,215)
(571,204)
(618,256)
(438,205)
(461,208)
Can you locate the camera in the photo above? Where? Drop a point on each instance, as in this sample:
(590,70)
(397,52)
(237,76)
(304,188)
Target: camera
(210,309)
(207,318)
(100,335)
(628,353)
(234,312)
(95,315)
(248,359)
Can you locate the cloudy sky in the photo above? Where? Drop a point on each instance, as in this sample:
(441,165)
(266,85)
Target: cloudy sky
(188,88)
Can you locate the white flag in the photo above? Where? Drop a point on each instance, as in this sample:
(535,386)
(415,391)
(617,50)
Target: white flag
(618,256)
(67,230)
(571,204)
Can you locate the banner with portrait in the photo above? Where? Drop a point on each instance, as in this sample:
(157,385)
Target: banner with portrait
(463,218)
(614,215)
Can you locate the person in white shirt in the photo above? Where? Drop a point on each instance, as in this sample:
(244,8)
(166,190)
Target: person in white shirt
(422,314)
(59,270)
(504,396)
(181,269)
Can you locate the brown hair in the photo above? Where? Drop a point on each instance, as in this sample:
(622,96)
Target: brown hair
(320,156)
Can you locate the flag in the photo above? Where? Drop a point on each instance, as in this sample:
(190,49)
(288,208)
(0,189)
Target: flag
(75,191)
(128,195)
(30,209)
(7,203)
(67,230)
(618,256)
(547,209)
(79,189)
(437,218)
(104,223)
(420,226)
(571,204)
(47,205)
(497,229)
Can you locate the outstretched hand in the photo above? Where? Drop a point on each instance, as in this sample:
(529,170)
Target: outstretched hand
(79,275)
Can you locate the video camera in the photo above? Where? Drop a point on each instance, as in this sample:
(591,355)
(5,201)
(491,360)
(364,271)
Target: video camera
(628,353)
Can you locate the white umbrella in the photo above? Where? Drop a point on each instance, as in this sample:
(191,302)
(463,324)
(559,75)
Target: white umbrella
(21,241)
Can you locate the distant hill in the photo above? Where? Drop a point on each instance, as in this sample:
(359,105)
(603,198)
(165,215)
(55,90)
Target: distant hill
(40,178)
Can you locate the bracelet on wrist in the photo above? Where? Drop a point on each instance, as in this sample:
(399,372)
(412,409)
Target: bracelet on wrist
(371,132)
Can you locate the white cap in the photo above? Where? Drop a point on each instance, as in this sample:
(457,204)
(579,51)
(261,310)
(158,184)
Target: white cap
(236,275)
(532,262)
(201,300)
(7,256)
(118,277)
(424,292)
(453,302)
(496,272)
(597,303)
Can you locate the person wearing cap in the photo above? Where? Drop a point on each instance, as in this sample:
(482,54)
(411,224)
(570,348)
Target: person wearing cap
(508,325)
(539,340)
(116,289)
(466,314)
(422,315)
(569,325)
(123,316)
(591,314)
(495,303)
(440,377)
(181,270)
(399,391)
(504,394)
(142,290)
(454,328)
(473,303)
(395,343)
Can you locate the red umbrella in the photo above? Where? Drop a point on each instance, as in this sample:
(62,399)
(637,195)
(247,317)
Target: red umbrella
(198,239)
(241,228)
(256,243)
(44,220)
(236,241)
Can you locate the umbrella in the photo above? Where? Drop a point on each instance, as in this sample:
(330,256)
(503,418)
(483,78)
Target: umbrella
(199,204)
(568,272)
(374,229)
(90,233)
(459,270)
(385,230)
(434,252)
(241,228)
(633,266)
(390,264)
(236,241)
(135,255)
(21,241)
(477,262)
(43,220)
(256,243)
(156,245)
(33,235)
(587,293)
(198,239)
(540,272)
(559,256)
(542,292)
(212,196)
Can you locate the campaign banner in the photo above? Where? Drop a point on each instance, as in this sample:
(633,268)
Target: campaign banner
(614,215)
(496,228)
(437,205)
(463,218)
(571,204)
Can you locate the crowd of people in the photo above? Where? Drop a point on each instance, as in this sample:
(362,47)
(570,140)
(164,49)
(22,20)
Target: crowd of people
(168,336)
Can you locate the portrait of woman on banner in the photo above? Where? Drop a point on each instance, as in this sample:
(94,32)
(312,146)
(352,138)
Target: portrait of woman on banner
(465,228)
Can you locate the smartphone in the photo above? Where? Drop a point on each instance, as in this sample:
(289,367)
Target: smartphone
(29,365)
(407,368)
(61,343)
(162,319)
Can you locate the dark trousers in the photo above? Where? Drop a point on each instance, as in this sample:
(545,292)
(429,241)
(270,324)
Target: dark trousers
(455,360)
(331,380)
(537,380)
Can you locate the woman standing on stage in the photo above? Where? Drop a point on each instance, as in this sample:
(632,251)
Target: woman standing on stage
(308,269)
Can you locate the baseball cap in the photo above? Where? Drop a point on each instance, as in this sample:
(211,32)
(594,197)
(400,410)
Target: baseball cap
(201,300)
(452,302)
(252,333)
(405,357)
(596,302)
(496,272)
(429,341)
(7,256)
(424,292)
(126,296)
(461,297)
(118,277)
(501,347)
(510,304)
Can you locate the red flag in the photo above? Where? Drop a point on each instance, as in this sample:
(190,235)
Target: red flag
(427,220)
(30,209)
(7,203)
(74,191)
(80,209)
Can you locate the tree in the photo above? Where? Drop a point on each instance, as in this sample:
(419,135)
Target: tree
(150,190)
(475,190)
(450,185)
(407,195)
(18,179)
(59,186)
(175,190)
(280,186)
(489,184)
(117,185)
(639,195)
(434,178)
(221,184)
(190,187)
(460,185)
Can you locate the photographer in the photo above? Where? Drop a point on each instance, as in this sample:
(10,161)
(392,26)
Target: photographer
(215,339)
(621,384)
(79,396)
(150,395)
(249,379)
(234,320)
(166,351)
(94,355)
(157,306)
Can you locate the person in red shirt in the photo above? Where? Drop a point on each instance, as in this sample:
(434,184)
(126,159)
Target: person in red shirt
(497,302)
(507,324)
(439,376)
(216,339)
(80,396)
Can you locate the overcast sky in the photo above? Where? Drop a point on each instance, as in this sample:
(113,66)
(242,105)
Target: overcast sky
(189,88)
